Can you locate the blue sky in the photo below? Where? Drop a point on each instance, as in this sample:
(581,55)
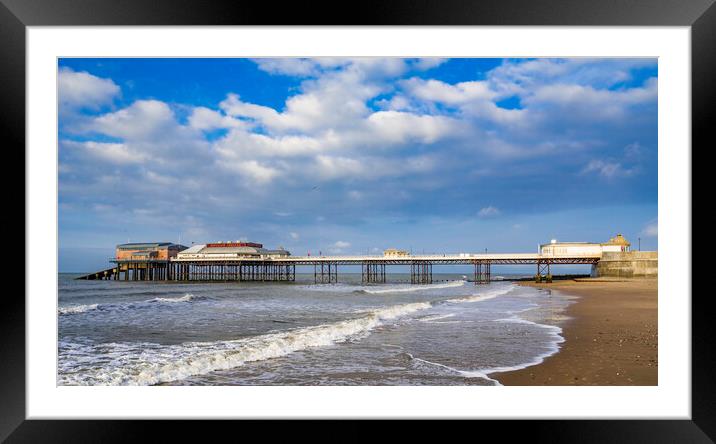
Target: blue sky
(354,155)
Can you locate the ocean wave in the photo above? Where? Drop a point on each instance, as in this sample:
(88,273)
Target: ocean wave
(411,288)
(557,339)
(79,309)
(75,309)
(158,363)
(434,318)
(150,363)
(186,298)
(553,347)
(378,288)
(479,297)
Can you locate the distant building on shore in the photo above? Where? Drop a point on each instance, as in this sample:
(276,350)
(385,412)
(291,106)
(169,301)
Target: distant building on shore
(148,251)
(393,252)
(616,244)
(232,250)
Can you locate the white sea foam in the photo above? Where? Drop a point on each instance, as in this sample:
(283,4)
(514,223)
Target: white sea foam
(436,317)
(479,297)
(151,363)
(75,309)
(169,363)
(411,288)
(78,309)
(186,298)
(555,334)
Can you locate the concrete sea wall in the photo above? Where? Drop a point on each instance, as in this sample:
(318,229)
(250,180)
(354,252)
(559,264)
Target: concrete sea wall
(627,264)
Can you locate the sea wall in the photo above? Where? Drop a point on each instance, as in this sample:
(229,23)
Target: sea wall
(627,264)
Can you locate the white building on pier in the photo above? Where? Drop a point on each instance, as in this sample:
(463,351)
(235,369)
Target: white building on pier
(616,244)
(231,250)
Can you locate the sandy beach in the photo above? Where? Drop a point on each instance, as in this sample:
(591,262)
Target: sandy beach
(610,339)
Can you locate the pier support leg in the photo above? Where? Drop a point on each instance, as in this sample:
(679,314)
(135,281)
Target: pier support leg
(372,272)
(421,272)
(482,272)
(544,274)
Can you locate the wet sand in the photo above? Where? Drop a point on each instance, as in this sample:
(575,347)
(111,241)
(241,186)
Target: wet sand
(611,338)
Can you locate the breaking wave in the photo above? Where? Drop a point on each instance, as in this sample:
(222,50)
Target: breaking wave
(150,363)
(170,363)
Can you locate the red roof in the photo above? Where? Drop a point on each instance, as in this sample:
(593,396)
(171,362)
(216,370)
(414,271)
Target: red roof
(235,244)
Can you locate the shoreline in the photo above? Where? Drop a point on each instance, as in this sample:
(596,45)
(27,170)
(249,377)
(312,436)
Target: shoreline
(610,336)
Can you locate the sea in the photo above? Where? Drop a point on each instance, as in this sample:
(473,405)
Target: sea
(451,332)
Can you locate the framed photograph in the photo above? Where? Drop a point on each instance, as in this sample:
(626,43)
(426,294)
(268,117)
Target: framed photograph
(425,213)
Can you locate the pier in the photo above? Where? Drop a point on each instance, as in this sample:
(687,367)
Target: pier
(325,268)
(241,261)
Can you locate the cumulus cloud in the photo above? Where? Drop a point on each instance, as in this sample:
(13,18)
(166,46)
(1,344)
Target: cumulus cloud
(84,90)
(385,139)
(254,171)
(116,153)
(401,127)
(141,120)
(288,66)
(581,100)
(459,93)
(207,119)
(426,63)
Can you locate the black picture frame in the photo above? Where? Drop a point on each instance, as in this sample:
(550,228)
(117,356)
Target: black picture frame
(16,15)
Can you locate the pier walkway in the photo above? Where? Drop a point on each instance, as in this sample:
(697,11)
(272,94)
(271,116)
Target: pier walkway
(225,268)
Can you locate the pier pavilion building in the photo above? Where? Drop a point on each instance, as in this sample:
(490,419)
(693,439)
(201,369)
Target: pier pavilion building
(232,250)
(616,244)
(148,251)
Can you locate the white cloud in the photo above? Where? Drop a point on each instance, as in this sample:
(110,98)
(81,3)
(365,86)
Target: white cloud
(141,120)
(426,63)
(288,66)
(240,143)
(351,122)
(402,127)
(459,93)
(252,170)
(587,102)
(473,98)
(294,235)
(634,151)
(367,168)
(329,167)
(83,90)
(608,170)
(489,211)
(115,153)
(341,244)
(651,229)
(521,76)
(207,119)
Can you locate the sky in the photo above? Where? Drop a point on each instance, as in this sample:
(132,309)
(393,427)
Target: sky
(355,155)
